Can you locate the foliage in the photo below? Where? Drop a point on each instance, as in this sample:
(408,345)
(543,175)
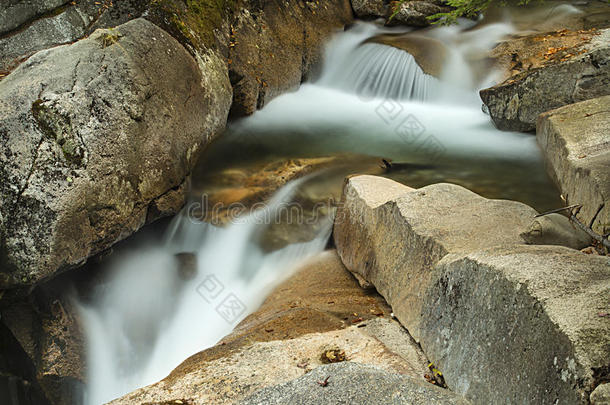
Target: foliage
(462,8)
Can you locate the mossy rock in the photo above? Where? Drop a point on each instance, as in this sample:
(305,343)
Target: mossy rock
(193,22)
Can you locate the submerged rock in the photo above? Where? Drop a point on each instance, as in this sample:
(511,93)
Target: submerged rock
(575,71)
(575,140)
(353,383)
(317,316)
(429,53)
(481,303)
(93,134)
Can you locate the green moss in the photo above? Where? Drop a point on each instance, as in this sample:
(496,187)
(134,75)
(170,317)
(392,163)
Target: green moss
(194,21)
(110,37)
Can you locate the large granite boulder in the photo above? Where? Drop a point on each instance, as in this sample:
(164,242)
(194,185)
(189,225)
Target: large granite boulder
(318,316)
(481,303)
(534,313)
(97,139)
(392,236)
(575,140)
(353,383)
(577,69)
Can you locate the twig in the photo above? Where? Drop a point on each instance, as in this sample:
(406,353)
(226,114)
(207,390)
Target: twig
(590,232)
(572,211)
(570,208)
(324,383)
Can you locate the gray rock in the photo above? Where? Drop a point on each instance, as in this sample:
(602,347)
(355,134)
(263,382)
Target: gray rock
(482,305)
(30,26)
(92,135)
(516,103)
(601,395)
(352,383)
(17,12)
(575,141)
(392,236)
(415,13)
(528,312)
(370,8)
(556,229)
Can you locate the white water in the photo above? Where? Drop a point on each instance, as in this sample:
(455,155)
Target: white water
(148,320)
(368,100)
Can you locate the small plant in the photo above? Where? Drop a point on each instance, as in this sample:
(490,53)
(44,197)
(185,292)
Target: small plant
(110,37)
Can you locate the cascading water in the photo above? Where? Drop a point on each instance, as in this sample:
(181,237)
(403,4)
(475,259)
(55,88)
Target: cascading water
(370,99)
(150,317)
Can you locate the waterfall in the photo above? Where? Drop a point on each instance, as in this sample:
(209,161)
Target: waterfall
(377,70)
(150,316)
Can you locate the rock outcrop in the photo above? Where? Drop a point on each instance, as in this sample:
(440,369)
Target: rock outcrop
(575,141)
(97,139)
(318,316)
(47,328)
(556,229)
(531,312)
(576,69)
(274,46)
(481,303)
(353,383)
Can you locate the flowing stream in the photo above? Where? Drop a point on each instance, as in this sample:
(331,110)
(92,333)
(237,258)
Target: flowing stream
(165,302)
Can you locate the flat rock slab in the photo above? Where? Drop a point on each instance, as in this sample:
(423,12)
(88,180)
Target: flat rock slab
(575,140)
(352,383)
(578,73)
(317,316)
(535,313)
(392,236)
